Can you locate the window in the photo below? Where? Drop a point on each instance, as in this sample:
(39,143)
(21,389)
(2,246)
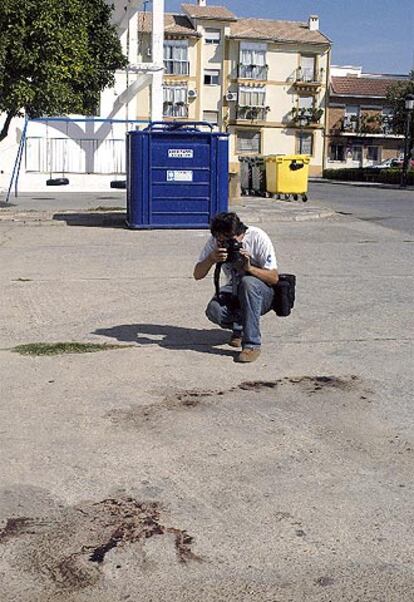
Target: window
(175,101)
(306,102)
(251,103)
(252,97)
(253,61)
(211,117)
(307,68)
(352,110)
(176,57)
(212,36)
(337,152)
(356,152)
(374,154)
(351,121)
(387,112)
(247,141)
(211,77)
(387,115)
(304,143)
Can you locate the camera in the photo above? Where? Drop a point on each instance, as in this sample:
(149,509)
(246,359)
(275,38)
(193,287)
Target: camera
(233,247)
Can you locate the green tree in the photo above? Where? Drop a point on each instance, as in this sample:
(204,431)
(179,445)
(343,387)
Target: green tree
(396,96)
(56,56)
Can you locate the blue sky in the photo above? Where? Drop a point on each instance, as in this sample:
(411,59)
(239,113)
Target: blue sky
(376,34)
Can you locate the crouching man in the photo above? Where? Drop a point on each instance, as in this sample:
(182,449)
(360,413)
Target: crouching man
(249,264)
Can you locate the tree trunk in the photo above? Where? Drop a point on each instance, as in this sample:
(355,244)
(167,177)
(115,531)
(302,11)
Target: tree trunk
(5,130)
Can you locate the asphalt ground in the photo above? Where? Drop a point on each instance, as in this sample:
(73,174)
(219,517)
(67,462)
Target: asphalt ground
(390,207)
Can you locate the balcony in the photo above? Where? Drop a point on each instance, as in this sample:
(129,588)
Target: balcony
(252,113)
(173,67)
(376,124)
(255,72)
(175,109)
(301,117)
(308,80)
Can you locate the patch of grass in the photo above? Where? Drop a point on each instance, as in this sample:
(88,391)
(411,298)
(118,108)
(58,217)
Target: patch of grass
(63,348)
(104,208)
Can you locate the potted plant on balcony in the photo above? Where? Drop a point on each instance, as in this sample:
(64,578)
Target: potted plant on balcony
(253,112)
(298,115)
(353,121)
(315,115)
(371,123)
(386,125)
(241,111)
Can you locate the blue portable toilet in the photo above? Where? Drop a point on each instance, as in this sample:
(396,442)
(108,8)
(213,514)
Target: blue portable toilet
(177,175)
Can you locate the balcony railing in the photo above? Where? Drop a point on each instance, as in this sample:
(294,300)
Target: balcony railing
(309,76)
(306,117)
(177,109)
(367,124)
(252,113)
(257,72)
(351,124)
(176,67)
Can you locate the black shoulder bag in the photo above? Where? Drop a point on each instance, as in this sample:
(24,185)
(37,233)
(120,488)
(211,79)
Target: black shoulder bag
(284,295)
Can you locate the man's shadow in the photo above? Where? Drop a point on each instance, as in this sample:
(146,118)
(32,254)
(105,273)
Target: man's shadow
(172,337)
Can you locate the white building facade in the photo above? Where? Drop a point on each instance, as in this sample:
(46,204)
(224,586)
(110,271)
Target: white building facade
(89,152)
(263,81)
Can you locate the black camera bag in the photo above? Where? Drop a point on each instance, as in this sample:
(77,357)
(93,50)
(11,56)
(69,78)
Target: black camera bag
(284,295)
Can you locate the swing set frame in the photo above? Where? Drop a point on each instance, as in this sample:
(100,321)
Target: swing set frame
(14,180)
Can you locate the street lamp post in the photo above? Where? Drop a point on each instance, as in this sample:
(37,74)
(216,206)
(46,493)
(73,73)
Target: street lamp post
(409,106)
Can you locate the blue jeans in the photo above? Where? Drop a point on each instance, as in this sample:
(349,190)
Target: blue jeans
(254,300)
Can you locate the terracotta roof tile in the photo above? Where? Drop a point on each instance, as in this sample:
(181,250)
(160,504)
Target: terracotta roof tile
(272,30)
(173,24)
(361,86)
(221,13)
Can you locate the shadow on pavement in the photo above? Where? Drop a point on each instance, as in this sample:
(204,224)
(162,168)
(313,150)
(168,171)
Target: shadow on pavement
(104,219)
(173,337)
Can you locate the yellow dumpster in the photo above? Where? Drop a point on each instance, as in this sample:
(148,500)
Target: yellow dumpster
(288,175)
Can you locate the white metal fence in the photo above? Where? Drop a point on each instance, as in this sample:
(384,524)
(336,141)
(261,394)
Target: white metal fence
(66,155)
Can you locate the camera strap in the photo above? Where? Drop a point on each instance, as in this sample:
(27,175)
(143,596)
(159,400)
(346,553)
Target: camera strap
(217,272)
(217,278)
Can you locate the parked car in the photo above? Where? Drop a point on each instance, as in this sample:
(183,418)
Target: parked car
(393,163)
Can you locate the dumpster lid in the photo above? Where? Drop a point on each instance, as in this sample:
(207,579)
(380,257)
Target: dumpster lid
(290,158)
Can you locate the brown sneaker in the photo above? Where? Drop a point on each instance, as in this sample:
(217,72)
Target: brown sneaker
(236,339)
(248,355)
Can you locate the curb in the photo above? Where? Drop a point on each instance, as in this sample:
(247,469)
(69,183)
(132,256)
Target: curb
(74,217)
(116,219)
(266,217)
(360,184)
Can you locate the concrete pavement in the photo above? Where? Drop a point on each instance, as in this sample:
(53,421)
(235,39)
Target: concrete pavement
(165,471)
(104,209)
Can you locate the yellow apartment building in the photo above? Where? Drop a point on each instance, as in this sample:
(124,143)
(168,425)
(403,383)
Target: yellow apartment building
(263,81)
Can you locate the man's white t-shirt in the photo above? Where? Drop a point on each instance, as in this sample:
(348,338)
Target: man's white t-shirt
(257,244)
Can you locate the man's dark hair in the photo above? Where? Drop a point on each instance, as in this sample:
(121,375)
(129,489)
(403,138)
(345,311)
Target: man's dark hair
(228,224)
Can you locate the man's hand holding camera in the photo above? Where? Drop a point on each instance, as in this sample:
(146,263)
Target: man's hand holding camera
(218,255)
(246,266)
(232,251)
